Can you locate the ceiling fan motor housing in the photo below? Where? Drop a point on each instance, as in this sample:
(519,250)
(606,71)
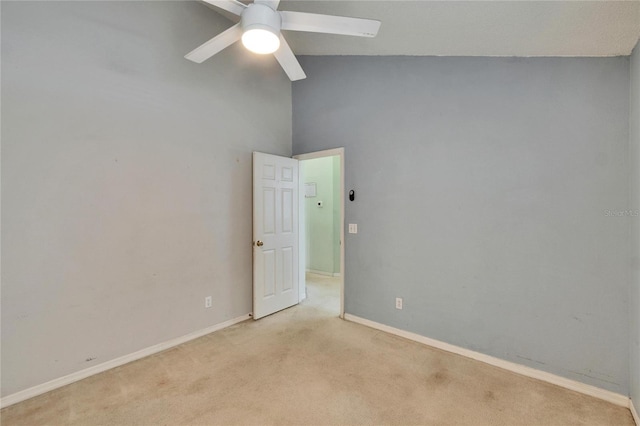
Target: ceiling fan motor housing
(260,16)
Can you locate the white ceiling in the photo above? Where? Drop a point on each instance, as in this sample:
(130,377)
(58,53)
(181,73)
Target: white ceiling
(476,28)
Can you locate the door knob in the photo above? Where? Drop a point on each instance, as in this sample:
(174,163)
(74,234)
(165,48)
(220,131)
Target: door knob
(259,243)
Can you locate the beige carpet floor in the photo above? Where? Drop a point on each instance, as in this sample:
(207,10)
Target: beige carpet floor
(305,366)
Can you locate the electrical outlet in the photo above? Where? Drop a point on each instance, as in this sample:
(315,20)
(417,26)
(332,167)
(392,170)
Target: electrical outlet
(207,302)
(353,228)
(398,302)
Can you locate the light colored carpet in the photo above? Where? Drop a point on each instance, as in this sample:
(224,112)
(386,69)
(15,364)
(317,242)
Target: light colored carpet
(306,366)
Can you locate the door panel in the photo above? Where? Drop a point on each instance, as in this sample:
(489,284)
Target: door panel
(269,286)
(269,211)
(275,233)
(287,269)
(287,211)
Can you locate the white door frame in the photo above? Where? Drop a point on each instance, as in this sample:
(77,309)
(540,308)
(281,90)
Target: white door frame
(301,219)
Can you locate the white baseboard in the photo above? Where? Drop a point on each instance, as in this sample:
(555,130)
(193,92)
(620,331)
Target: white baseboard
(634,413)
(594,391)
(83,374)
(314,271)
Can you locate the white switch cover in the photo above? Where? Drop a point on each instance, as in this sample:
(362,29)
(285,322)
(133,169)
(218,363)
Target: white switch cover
(353,228)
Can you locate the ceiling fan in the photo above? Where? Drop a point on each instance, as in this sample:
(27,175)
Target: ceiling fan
(260,25)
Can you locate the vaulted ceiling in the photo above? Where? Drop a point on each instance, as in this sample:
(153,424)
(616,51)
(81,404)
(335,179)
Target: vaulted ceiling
(476,28)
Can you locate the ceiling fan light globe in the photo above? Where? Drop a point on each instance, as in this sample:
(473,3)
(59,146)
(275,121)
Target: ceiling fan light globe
(260,41)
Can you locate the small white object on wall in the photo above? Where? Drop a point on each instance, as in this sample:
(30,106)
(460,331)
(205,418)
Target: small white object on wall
(310,190)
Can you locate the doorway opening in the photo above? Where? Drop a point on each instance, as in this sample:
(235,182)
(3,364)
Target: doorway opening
(321,247)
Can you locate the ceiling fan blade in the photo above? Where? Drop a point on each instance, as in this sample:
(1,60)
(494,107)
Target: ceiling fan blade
(233,6)
(288,61)
(273,4)
(215,45)
(311,22)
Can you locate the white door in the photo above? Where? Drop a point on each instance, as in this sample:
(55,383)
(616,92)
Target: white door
(275,233)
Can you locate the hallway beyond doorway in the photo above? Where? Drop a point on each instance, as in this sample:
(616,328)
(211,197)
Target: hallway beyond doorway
(323,293)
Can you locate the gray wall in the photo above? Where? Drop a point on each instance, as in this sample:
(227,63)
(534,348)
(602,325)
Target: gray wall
(482,190)
(634,225)
(126,179)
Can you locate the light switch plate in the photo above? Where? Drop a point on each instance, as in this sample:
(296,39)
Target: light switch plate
(353,228)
